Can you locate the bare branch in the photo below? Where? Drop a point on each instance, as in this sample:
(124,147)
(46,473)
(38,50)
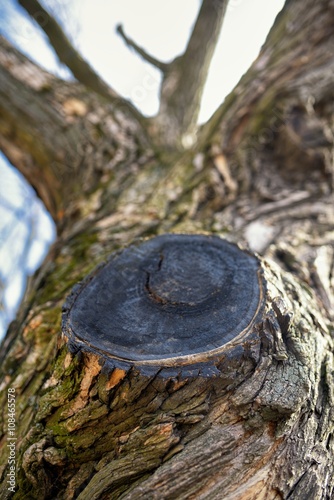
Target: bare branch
(204,38)
(21,88)
(147,57)
(183,85)
(46,134)
(67,54)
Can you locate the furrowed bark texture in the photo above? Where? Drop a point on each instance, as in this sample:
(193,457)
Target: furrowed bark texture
(258,423)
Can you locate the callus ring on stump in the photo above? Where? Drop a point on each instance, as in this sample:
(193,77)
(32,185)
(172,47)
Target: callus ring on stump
(173,300)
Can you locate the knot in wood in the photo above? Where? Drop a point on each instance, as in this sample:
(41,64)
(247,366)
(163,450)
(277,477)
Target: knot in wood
(173,299)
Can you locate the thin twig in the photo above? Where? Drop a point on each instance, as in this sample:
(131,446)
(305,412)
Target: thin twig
(142,52)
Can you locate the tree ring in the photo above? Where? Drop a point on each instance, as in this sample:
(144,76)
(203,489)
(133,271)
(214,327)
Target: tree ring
(173,299)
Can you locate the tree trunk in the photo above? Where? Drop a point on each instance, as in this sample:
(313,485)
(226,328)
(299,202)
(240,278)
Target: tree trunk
(250,416)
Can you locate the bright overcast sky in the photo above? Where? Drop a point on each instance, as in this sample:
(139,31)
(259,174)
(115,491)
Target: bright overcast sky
(162,28)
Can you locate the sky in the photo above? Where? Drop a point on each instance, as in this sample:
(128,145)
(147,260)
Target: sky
(162,28)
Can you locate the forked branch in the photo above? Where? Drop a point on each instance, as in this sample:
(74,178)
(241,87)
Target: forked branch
(184,78)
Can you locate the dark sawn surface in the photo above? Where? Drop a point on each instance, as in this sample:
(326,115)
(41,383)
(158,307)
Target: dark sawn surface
(171,296)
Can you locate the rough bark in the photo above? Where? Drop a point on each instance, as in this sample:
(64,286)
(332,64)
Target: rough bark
(260,423)
(56,132)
